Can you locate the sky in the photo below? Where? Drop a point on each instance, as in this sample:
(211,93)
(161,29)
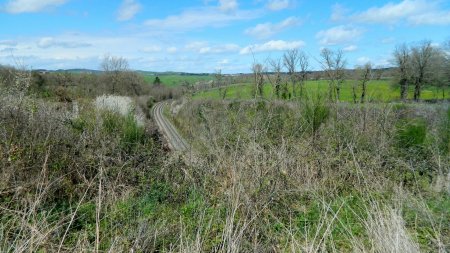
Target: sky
(207,35)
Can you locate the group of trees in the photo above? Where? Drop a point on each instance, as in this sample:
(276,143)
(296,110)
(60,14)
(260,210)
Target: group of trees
(422,64)
(416,66)
(333,65)
(292,68)
(115,78)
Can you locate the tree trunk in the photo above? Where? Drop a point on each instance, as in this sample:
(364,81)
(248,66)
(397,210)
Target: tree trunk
(403,89)
(277,90)
(363,93)
(417,89)
(338,92)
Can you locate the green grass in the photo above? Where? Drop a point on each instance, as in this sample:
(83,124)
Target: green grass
(176,80)
(380,90)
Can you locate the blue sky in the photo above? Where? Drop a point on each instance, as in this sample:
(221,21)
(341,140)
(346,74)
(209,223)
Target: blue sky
(206,35)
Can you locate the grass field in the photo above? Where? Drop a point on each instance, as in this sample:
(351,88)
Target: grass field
(175,80)
(381,90)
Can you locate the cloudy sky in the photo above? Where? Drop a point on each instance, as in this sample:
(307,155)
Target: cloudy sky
(205,35)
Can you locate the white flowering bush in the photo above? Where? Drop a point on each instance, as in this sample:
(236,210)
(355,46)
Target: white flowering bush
(120,104)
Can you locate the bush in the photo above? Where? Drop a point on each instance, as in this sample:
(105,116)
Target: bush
(132,133)
(411,133)
(150,102)
(315,112)
(444,132)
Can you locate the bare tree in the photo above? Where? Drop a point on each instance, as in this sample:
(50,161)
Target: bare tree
(402,61)
(340,72)
(218,76)
(440,69)
(365,74)
(290,61)
(304,66)
(420,62)
(327,65)
(258,75)
(114,68)
(275,78)
(378,72)
(333,64)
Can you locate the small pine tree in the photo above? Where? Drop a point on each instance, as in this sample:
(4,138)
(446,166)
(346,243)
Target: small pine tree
(157,81)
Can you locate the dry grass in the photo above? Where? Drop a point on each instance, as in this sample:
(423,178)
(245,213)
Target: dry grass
(268,177)
(283,171)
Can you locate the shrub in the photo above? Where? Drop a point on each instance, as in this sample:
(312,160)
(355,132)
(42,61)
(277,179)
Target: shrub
(315,112)
(150,102)
(112,121)
(411,133)
(444,132)
(132,133)
(120,104)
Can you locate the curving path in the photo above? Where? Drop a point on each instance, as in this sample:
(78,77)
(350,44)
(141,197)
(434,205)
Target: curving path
(176,142)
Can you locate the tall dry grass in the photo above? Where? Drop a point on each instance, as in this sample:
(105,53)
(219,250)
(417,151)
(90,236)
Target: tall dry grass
(344,174)
(265,176)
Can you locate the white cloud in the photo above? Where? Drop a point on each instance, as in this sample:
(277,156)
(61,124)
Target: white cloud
(431,18)
(266,30)
(277,5)
(223,62)
(196,45)
(48,42)
(200,18)
(24,6)
(203,47)
(391,12)
(362,60)
(350,48)
(151,49)
(273,45)
(8,43)
(128,10)
(172,50)
(227,48)
(416,12)
(7,50)
(338,12)
(228,5)
(338,35)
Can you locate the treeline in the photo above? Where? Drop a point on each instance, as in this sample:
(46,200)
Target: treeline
(422,64)
(415,66)
(116,78)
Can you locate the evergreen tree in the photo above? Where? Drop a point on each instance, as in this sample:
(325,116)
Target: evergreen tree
(157,81)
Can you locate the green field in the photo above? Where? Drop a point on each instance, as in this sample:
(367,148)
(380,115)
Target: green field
(175,80)
(380,90)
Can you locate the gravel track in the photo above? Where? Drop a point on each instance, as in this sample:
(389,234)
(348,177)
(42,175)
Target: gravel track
(176,142)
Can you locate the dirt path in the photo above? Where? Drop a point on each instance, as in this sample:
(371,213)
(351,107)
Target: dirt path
(176,142)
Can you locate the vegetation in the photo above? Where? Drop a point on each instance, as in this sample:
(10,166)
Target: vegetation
(278,163)
(173,80)
(421,64)
(312,176)
(376,91)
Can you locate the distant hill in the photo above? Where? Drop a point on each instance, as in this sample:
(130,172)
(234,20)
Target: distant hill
(142,72)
